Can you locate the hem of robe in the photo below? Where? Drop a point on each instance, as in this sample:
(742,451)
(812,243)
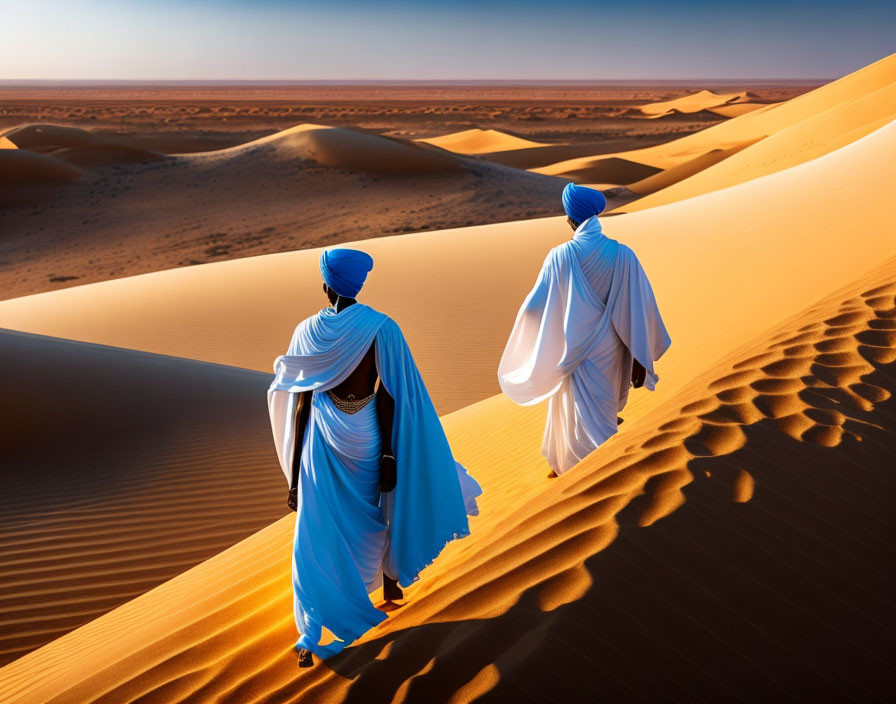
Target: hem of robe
(596,445)
(337,645)
(424,564)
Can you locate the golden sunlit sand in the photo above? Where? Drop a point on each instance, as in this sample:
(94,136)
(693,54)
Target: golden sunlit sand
(702,100)
(223,630)
(762,141)
(731,542)
(478,141)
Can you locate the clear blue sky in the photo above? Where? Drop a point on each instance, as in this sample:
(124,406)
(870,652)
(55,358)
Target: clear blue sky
(483,39)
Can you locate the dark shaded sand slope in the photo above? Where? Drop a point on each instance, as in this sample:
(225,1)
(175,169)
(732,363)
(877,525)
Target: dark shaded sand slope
(732,544)
(120,470)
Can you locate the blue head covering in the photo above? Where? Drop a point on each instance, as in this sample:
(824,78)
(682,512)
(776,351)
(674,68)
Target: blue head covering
(581,202)
(345,270)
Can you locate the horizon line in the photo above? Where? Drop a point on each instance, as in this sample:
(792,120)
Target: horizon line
(394,81)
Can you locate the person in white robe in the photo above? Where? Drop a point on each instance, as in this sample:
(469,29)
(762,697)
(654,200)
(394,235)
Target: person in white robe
(376,490)
(588,331)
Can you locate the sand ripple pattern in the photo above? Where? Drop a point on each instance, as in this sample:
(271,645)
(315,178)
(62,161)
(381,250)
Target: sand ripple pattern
(124,471)
(767,487)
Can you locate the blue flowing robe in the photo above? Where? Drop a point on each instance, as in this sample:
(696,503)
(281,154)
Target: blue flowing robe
(347,534)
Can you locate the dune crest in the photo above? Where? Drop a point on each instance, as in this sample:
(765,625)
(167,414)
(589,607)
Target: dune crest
(46,137)
(679,172)
(342,148)
(479,141)
(738,109)
(694,102)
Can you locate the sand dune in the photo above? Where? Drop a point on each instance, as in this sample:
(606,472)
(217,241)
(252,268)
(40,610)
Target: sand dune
(329,146)
(349,149)
(695,102)
(803,128)
(738,109)
(35,155)
(44,136)
(607,170)
(234,317)
(536,157)
(806,139)
(479,141)
(120,470)
(857,86)
(763,568)
(302,188)
(435,285)
(686,169)
(78,146)
(27,176)
(19,166)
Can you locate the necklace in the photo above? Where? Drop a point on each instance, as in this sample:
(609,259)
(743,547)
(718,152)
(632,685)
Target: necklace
(350,405)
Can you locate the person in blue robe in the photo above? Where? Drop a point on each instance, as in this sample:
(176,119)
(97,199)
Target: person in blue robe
(375,487)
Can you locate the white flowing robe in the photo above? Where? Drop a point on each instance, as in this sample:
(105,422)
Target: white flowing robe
(591,310)
(346,533)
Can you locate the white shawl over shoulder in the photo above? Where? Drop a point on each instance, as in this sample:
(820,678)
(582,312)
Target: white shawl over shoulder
(591,311)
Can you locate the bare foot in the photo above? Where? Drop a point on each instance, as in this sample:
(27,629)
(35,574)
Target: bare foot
(553,475)
(391,593)
(305,658)
(391,590)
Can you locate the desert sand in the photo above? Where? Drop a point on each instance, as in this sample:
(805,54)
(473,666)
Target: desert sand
(233,318)
(772,137)
(118,446)
(478,141)
(536,552)
(696,102)
(128,209)
(302,187)
(730,542)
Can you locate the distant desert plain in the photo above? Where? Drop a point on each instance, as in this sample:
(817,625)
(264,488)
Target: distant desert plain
(158,244)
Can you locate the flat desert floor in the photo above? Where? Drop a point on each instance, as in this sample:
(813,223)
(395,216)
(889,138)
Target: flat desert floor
(731,542)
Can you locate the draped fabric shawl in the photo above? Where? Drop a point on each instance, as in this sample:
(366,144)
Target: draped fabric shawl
(346,533)
(591,310)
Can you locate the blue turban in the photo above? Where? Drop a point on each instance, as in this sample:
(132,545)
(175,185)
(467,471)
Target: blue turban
(581,202)
(345,270)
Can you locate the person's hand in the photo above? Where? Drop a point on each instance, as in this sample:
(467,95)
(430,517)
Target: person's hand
(388,474)
(292,500)
(639,374)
